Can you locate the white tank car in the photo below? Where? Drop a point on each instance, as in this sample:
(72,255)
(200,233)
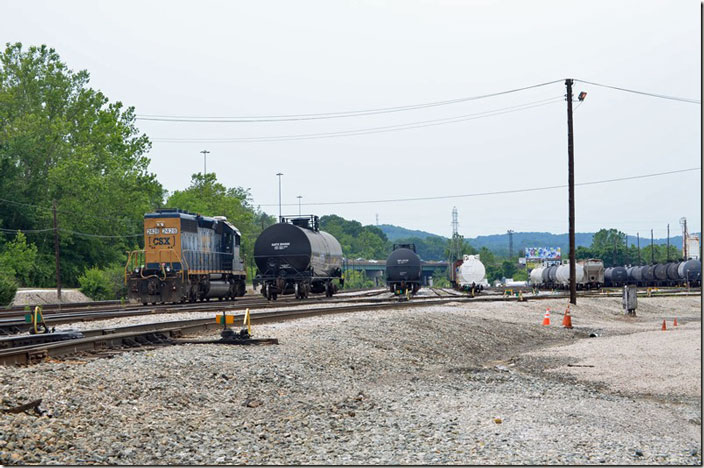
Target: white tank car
(562,275)
(536,276)
(471,271)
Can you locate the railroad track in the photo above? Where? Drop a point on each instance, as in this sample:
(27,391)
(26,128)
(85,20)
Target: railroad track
(168,332)
(14,322)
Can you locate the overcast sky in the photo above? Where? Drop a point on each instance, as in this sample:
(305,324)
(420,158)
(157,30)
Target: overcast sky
(252,58)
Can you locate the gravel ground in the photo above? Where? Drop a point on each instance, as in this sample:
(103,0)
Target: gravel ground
(173,316)
(465,384)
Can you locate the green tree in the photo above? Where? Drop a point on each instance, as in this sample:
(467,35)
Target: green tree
(508,268)
(357,241)
(61,140)
(208,197)
(19,259)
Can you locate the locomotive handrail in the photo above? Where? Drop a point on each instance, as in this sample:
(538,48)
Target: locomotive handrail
(131,254)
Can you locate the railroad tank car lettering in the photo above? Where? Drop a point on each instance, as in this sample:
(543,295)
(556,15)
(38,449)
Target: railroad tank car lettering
(402,261)
(280,245)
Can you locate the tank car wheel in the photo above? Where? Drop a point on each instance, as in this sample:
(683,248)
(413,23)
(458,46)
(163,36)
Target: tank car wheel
(328,289)
(144,303)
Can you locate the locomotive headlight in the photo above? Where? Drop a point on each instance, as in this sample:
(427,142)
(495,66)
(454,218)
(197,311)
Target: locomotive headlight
(168,268)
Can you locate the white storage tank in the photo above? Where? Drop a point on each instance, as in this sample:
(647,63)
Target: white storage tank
(536,276)
(562,275)
(471,271)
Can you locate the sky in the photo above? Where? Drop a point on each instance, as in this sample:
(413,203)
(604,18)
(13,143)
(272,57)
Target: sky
(265,57)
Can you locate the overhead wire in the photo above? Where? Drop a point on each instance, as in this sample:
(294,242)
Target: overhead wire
(68,231)
(381,110)
(65,212)
(369,130)
(332,115)
(499,192)
(627,90)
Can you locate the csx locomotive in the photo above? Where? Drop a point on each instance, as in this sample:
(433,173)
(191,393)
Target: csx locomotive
(186,258)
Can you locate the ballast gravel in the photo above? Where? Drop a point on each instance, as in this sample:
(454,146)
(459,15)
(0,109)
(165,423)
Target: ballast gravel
(480,383)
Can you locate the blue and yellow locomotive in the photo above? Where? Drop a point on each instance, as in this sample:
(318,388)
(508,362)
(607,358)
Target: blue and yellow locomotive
(186,258)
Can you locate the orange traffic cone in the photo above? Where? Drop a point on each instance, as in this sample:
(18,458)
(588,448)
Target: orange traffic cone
(664,327)
(567,319)
(546,318)
(674,324)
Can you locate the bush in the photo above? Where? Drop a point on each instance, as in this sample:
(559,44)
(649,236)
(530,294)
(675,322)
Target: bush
(105,284)
(8,288)
(96,284)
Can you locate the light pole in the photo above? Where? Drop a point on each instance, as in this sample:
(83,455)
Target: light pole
(205,153)
(299,204)
(279,174)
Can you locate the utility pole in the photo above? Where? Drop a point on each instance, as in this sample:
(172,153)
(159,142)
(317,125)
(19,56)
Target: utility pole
(205,153)
(614,264)
(377,220)
(640,262)
(279,174)
(652,251)
(668,242)
(299,204)
(570,181)
(510,243)
(56,253)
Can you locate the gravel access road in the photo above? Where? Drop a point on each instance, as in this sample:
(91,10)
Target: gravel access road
(480,383)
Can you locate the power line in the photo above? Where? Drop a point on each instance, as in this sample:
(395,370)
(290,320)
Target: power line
(68,231)
(331,115)
(661,96)
(26,231)
(382,110)
(370,130)
(501,192)
(48,209)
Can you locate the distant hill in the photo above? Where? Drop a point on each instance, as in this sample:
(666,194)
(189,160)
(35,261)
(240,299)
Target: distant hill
(498,243)
(397,232)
